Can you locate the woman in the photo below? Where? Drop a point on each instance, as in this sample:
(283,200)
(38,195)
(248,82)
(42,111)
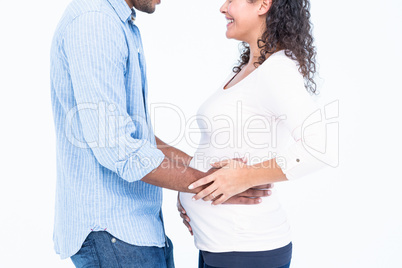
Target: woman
(257,114)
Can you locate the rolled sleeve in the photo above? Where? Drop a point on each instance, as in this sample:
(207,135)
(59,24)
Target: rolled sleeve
(140,162)
(296,162)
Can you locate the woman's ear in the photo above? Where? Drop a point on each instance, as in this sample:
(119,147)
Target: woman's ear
(265,5)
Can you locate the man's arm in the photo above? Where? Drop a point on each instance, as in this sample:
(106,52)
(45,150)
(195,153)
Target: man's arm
(174,173)
(175,176)
(173,153)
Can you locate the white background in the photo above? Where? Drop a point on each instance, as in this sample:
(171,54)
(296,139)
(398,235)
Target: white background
(344,217)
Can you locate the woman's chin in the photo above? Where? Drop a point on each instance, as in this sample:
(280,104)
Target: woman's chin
(229,36)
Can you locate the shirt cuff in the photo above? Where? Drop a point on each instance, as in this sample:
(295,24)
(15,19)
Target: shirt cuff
(296,162)
(145,159)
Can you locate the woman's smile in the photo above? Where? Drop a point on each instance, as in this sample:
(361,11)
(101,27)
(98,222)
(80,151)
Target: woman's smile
(229,21)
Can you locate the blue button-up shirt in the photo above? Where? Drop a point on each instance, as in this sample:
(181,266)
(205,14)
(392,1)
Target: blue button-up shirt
(105,142)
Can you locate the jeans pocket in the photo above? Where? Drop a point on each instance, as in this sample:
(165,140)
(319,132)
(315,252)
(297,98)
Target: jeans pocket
(169,253)
(87,256)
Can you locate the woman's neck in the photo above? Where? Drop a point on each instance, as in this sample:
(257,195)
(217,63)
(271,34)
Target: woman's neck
(255,53)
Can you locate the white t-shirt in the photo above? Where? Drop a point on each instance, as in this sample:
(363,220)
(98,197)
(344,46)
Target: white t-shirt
(259,118)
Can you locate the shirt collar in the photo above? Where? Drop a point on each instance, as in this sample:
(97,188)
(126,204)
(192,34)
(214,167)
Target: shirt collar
(122,9)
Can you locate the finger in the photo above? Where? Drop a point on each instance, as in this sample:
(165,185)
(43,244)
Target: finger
(180,208)
(212,196)
(201,182)
(185,217)
(221,164)
(264,186)
(182,211)
(243,160)
(205,192)
(220,200)
(239,200)
(255,193)
(188,227)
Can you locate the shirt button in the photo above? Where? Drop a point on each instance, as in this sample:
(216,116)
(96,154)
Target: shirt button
(113,240)
(297,160)
(132,18)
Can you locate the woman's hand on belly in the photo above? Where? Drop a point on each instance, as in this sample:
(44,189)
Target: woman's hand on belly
(231,180)
(235,177)
(224,183)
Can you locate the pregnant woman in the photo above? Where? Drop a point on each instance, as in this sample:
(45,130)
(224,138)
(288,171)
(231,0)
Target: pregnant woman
(257,114)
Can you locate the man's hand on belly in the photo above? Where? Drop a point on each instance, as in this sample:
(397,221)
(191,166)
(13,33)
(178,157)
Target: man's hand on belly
(251,196)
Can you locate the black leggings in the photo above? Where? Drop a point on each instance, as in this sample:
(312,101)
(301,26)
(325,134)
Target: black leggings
(277,258)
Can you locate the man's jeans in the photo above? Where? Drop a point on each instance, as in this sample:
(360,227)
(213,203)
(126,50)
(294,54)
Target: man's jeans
(102,250)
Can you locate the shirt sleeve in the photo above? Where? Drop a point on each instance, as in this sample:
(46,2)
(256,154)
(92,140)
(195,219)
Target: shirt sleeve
(285,95)
(96,52)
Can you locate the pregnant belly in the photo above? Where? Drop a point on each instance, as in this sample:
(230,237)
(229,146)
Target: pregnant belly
(225,228)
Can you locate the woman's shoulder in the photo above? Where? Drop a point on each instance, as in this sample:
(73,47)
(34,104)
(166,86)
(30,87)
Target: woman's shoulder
(280,68)
(280,60)
(280,77)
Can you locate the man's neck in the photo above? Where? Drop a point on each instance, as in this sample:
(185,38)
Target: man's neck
(130,3)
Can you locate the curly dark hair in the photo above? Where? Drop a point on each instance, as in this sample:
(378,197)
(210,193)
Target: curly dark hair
(288,27)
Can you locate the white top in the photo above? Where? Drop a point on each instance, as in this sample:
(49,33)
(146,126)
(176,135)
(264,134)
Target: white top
(259,118)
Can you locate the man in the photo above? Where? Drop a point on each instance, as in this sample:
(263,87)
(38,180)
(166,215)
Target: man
(108,197)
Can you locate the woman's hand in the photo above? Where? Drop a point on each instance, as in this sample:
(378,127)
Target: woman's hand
(231,179)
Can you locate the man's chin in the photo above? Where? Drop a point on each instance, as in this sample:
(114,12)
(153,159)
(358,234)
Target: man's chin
(146,9)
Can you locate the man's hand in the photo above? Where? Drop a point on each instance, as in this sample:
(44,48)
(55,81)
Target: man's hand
(183,215)
(249,197)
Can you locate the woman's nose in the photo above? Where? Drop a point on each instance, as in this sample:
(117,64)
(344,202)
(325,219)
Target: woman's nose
(223,8)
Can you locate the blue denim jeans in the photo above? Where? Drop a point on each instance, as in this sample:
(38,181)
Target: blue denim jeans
(102,250)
